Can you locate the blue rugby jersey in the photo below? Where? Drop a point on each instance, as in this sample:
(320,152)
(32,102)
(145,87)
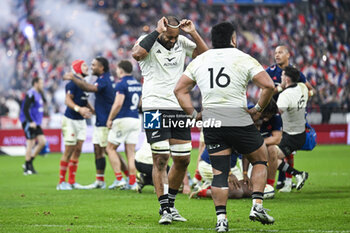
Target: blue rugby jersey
(131,89)
(275,73)
(80,98)
(205,157)
(275,123)
(104,98)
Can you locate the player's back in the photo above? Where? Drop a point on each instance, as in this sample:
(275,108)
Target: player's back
(131,89)
(222,75)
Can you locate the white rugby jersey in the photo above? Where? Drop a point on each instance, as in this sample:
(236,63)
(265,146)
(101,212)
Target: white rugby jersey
(161,70)
(222,76)
(292,101)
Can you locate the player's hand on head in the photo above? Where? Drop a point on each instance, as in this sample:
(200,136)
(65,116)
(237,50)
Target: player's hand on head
(187,26)
(161,25)
(68,76)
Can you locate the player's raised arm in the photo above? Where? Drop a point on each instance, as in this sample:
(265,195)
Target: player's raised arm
(187,26)
(80,83)
(141,49)
(182,93)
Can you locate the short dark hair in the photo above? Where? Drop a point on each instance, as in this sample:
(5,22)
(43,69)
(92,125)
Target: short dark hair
(35,80)
(221,35)
(125,65)
(292,73)
(271,108)
(104,62)
(172,20)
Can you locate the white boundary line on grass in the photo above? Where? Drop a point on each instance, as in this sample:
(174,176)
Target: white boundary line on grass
(188,228)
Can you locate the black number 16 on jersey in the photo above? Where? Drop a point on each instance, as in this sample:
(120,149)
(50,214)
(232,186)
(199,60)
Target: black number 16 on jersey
(225,79)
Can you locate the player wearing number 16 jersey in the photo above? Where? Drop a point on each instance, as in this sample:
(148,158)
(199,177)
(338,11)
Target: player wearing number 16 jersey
(222,74)
(123,120)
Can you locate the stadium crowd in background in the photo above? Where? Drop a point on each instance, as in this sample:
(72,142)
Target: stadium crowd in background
(316,32)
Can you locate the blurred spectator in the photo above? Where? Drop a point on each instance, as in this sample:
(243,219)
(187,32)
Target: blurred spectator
(317,33)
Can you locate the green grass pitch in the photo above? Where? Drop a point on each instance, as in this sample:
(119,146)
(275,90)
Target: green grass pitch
(32,203)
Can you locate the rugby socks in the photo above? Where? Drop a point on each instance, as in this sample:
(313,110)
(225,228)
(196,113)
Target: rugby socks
(284,167)
(118,176)
(290,159)
(172,195)
(100,166)
(197,175)
(72,169)
(164,203)
(126,172)
(271,182)
(63,170)
(202,193)
(220,209)
(100,177)
(132,179)
(257,198)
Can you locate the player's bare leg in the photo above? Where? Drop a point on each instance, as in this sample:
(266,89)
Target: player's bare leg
(114,159)
(258,159)
(130,153)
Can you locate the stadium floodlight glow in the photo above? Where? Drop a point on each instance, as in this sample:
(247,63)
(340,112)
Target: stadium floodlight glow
(29,31)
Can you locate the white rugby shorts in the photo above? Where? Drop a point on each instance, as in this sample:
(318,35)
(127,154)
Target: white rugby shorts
(100,136)
(73,130)
(125,130)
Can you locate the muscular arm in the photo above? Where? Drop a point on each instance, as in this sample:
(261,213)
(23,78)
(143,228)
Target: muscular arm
(84,85)
(82,110)
(267,86)
(275,139)
(201,45)
(182,93)
(69,101)
(139,53)
(117,105)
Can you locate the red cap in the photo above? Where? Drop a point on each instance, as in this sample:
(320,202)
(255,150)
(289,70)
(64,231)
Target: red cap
(76,66)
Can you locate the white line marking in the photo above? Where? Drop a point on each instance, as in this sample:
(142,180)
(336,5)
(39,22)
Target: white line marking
(187,228)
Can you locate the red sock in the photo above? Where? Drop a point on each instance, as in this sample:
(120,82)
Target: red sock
(100,177)
(72,169)
(198,176)
(132,179)
(63,170)
(118,175)
(126,172)
(271,182)
(202,193)
(290,160)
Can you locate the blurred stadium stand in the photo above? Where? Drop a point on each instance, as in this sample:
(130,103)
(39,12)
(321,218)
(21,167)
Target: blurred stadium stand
(316,31)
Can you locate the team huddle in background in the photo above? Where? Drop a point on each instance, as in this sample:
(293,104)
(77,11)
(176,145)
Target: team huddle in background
(238,159)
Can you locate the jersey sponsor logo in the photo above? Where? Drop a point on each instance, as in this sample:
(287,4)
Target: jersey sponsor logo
(170,59)
(274,78)
(151,119)
(170,64)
